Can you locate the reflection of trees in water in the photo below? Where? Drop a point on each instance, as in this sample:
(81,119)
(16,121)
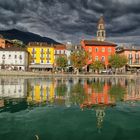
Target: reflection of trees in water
(117,92)
(78,94)
(61,89)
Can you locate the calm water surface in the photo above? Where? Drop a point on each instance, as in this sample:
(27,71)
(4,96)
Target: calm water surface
(69,109)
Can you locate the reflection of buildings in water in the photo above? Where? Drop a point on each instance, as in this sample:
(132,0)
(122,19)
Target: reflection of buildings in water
(97,93)
(41,90)
(1,103)
(13,88)
(133,91)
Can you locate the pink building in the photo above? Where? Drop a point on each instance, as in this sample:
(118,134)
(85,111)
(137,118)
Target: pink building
(132,54)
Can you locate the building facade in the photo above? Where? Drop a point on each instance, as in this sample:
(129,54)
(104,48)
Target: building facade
(41,56)
(13,58)
(60,50)
(99,49)
(133,55)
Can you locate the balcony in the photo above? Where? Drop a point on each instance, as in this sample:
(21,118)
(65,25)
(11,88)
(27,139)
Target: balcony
(42,52)
(33,52)
(41,57)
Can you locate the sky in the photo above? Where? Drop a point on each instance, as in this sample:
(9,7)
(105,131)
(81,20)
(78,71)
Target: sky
(73,20)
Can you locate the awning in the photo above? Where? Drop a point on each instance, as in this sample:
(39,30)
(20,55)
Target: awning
(41,66)
(134,66)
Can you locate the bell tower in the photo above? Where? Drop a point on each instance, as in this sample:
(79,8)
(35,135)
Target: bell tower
(101,33)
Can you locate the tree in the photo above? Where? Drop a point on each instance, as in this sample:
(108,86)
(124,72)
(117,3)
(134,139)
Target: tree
(61,62)
(117,61)
(97,65)
(79,59)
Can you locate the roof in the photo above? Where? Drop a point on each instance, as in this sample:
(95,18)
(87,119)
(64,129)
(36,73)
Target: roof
(39,44)
(98,43)
(13,49)
(101,20)
(134,48)
(60,47)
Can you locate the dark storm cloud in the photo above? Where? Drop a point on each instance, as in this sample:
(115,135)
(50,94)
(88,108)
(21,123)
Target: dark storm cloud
(66,20)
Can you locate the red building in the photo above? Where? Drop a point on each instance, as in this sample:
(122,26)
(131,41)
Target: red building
(99,49)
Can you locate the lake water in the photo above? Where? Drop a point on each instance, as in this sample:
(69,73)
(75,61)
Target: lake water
(69,109)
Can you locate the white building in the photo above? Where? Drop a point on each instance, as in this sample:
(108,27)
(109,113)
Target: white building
(13,58)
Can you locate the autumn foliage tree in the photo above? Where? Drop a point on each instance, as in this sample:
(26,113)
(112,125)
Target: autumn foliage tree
(61,62)
(97,65)
(79,59)
(117,61)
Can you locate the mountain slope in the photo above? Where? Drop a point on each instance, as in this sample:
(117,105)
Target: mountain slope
(26,37)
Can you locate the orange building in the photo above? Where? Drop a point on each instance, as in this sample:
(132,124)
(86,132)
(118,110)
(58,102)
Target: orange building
(99,49)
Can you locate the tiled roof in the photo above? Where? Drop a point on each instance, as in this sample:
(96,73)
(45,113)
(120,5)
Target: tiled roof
(101,20)
(59,47)
(13,49)
(98,43)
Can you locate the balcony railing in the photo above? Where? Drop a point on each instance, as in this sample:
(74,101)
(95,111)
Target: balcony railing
(33,52)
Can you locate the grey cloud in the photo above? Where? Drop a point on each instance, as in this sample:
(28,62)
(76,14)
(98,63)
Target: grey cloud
(70,20)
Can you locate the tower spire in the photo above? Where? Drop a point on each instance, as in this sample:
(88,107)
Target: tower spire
(101,33)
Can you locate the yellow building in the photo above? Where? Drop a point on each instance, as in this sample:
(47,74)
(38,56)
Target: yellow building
(41,56)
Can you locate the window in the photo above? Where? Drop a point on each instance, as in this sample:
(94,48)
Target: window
(130,56)
(48,51)
(103,49)
(90,49)
(64,51)
(41,55)
(137,56)
(130,61)
(33,61)
(3,56)
(41,61)
(20,57)
(15,56)
(33,50)
(103,59)
(48,55)
(109,49)
(96,49)
(41,50)
(47,61)
(59,51)
(9,55)
(96,58)
(55,51)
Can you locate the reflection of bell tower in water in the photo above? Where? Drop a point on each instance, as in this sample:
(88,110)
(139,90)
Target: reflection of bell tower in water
(100,114)
(101,33)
